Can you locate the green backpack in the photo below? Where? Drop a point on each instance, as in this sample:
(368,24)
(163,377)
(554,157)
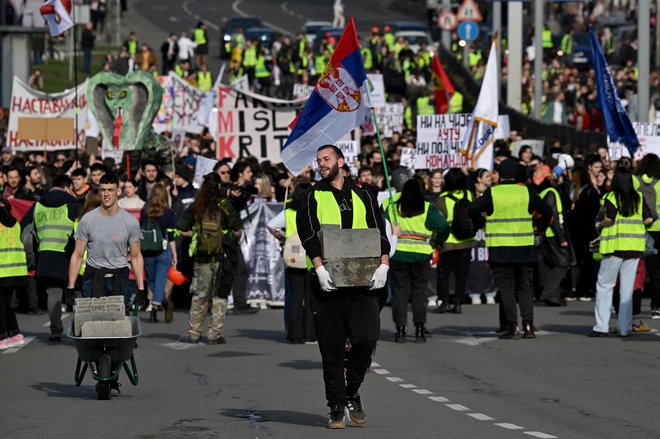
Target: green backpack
(210,235)
(153,240)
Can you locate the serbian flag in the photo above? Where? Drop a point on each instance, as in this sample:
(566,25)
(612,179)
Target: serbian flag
(478,142)
(442,86)
(338,104)
(57,14)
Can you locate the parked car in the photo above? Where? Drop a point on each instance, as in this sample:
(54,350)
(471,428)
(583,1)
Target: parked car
(399,26)
(310,28)
(415,39)
(230,30)
(264,36)
(330,31)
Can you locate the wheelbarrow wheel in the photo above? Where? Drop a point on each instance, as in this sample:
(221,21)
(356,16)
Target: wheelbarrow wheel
(103,390)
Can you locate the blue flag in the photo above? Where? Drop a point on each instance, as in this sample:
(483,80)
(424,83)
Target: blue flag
(617,121)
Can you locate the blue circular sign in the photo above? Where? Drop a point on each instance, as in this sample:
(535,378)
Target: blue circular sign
(468,30)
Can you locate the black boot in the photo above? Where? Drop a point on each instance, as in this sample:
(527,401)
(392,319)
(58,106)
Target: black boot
(511,332)
(419,333)
(153,317)
(442,308)
(528,327)
(400,336)
(457,309)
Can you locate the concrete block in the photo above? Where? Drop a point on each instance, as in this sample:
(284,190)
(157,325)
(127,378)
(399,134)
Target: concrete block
(107,329)
(351,272)
(349,243)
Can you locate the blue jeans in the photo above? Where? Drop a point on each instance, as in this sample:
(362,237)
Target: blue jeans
(156,268)
(108,283)
(610,267)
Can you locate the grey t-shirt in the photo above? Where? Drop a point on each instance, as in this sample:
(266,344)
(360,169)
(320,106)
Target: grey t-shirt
(108,237)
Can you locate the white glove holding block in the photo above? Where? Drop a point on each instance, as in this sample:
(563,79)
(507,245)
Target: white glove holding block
(324,279)
(379,278)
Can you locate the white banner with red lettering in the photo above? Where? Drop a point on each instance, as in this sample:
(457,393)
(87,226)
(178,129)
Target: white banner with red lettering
(246,123)
(29,103)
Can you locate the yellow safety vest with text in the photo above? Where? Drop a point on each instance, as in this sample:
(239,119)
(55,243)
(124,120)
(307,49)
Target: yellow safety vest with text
(627,233)
(510,224)
(53,227)
(13,261)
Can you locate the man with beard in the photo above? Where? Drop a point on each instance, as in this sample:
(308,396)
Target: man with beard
(342,313)
(149,178)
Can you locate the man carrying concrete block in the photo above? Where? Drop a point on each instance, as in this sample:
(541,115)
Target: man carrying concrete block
(348,309)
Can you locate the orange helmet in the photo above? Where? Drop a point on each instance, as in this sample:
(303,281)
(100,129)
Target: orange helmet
(386,28)
(176,277)
(374,30)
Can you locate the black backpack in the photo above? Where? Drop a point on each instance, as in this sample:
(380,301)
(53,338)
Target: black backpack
(153,241)
(462,226)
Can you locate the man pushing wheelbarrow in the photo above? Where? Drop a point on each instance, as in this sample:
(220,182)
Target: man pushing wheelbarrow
(111,237)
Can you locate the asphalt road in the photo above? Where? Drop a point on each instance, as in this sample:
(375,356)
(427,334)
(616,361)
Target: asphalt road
(463,383)
(154,20)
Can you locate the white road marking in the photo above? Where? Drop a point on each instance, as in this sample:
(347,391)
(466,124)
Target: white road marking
(234,7)
(509,426)
(187,10)
(381,371)
(474,341)
(18,348)
(64,317)
(423,391)
(374,364)
(540,434)
(480,417)
(458,407)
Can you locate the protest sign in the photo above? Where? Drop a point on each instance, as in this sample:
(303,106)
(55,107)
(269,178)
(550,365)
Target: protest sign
(439,139)
(649,139)
(503,128)
(181,106)
(41,121)
(390,120)
(250,124)
(377,94)
(203,166)
(302,90)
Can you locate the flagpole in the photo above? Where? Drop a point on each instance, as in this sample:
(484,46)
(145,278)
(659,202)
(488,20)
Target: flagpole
(75,76)
(382,153)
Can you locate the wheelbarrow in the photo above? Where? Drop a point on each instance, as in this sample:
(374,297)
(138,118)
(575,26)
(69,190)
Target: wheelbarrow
(105,357)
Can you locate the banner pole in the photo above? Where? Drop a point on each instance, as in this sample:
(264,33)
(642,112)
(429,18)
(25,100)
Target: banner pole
(382,154)
(75,76)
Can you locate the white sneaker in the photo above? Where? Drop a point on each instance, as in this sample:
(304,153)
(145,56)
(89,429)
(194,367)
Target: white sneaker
(490,300)
(476,300)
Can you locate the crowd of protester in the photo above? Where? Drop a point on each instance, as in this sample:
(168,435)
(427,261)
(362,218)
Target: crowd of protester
(166,193)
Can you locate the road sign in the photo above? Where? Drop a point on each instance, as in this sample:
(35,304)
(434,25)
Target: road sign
(469,11)
(447,21)
(468,31)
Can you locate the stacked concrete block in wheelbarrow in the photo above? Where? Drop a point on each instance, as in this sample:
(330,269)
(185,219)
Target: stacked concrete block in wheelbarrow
(101,317)
(351,256)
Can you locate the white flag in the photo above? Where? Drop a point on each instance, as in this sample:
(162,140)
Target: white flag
(478,142)
(59,20)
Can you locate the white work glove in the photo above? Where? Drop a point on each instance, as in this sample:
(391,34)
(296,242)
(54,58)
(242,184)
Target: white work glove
(379,279)
(324,279)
